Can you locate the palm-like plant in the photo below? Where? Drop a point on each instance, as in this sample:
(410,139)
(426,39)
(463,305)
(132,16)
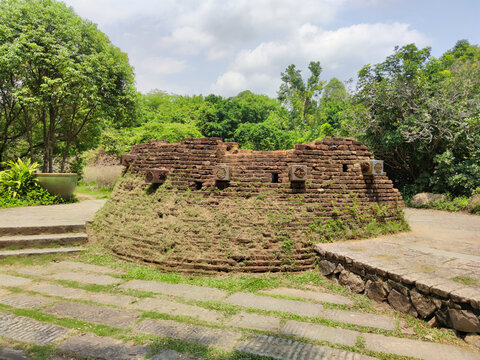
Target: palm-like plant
(19,178)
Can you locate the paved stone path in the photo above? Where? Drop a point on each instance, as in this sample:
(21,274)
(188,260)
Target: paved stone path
(441,246)
(181,306)
(29,330)
(288,349)
(310,295)
(33,216)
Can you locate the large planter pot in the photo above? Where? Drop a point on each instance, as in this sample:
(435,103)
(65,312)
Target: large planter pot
(60,184)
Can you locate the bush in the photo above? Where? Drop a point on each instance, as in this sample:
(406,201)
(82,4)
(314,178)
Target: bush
(18,180)
(19,187)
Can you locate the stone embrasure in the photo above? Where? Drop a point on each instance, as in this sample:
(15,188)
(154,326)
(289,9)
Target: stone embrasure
(206,206)
(278,348)
(25,329)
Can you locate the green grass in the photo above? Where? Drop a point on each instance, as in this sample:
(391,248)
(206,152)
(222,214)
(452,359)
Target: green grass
(92,189)
(466,280)
(450,203)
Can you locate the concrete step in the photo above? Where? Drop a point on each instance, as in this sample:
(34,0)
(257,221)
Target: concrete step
(28,241)
(41,229)
(28,252)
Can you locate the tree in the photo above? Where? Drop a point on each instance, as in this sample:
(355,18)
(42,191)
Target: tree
(300,97)
(422,113)
(61,77)
(231,113)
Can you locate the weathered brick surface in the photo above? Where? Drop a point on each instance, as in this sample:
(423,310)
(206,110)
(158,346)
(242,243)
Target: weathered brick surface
(335,188)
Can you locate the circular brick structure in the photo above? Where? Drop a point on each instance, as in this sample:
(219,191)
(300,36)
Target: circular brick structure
(203,205)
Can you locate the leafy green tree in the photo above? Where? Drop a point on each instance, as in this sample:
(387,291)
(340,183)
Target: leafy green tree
(231,113)
(299,96)
(264,135)
(423,116)
(61,78)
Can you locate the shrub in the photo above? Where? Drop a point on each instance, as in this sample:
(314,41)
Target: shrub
(18,180)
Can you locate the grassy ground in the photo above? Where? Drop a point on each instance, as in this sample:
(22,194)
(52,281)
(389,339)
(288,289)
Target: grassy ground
(408,326)
(91,190)
(450,203)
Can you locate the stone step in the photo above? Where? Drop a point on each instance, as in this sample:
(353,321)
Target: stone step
(22,328)
(118,318)
(28,241)
(417,349)
(310,295)
(28,252)
(42,229)
(93,346)
(225,339)
(282,349)
(274,304)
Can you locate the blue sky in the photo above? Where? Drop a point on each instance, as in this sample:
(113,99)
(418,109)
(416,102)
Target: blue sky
(226,46)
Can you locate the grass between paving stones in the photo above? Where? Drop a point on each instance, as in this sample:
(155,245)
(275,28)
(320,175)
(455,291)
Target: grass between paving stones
(157,343)
(238,282)
(465,280)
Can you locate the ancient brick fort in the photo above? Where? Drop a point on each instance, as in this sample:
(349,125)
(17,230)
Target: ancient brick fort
(203,205)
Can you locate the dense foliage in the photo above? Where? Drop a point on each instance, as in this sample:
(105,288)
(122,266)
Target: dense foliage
(423,117)
(19,187)
(61,80)
(64,89)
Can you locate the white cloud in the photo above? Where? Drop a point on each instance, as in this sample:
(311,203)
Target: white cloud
(161,66)
(339,52)
(227,46)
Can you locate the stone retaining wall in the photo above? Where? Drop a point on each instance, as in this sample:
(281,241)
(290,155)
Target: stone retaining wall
(440,302)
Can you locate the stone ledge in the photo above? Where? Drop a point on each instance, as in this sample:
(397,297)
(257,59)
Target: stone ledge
(439,301)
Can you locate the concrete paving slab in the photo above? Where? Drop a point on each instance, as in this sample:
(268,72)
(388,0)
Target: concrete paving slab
(73,293)
(269,303)
(9,280)
(4,292)
(183,290)
(22,328)
(11,354)
(175,308)
(26,301)
(283,349)
(254,321)
(221,338)
(172,355)
(78,266)
(362,319)
(86,278)
(320,333)
(310,295)
(49,215)
(89,345)
(417,349)
(97,314)
(46,251)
